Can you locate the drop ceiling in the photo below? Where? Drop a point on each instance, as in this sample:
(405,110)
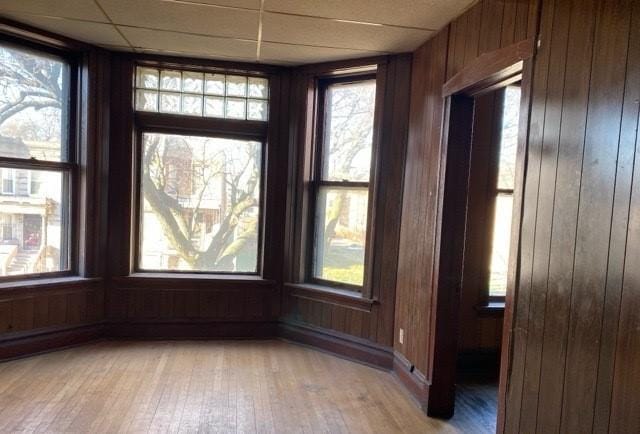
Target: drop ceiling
(288,32)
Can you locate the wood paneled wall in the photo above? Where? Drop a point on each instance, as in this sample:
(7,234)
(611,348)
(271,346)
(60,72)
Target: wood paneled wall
(576,354)
(575,357)
(24,310)
(419,210)
(487,26)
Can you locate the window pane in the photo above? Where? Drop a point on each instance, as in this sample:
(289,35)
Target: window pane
(500,245)
(257,110)
(214,84)
(169,102)
(349,131)
(214,106)
(200,207)
(192,82)
(33,218)
(147,78)
(34,95)
(192,105)
(235,108)
(170,80)
(258,87)
(340,235)
(509,138)
(236,85)
(147,100)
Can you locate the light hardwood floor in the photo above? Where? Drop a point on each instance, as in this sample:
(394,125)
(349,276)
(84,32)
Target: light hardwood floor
(206,386)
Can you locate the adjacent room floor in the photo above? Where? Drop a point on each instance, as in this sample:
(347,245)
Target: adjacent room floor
(209,386)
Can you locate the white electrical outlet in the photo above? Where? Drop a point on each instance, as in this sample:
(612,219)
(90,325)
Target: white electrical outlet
(401,337)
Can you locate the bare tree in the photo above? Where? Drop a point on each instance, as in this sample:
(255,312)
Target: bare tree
(27,81)
(239,178)
(350,132)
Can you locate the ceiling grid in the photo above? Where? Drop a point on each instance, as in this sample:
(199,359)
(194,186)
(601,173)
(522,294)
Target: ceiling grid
(286,32)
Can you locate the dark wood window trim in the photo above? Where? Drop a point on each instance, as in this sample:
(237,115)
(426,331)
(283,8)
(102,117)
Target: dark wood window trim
(328,294)
(314,182)
(77,141)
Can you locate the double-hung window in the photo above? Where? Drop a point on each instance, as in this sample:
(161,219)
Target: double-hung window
(200,139)
(340,186)
(37,162)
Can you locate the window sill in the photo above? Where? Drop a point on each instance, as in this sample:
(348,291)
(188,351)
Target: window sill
(33,285)
(147,280)
(327,294)
(491,309)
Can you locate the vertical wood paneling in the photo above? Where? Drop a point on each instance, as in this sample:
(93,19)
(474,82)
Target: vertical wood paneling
(551,117)
(620,315)
(487,26)
(39,312)
(595,214)
(567,188)
(417,233)
(570,313)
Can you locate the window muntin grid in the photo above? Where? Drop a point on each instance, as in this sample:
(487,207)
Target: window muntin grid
(189,93)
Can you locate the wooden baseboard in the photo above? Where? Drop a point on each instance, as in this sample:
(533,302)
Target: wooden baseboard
(15,345)
(194,330)
(412,379)
(337,343)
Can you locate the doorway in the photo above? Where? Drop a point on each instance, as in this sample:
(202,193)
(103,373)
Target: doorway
(487,240)
(480,215)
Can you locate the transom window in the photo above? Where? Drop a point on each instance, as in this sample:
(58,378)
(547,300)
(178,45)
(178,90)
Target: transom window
(36,162)
(340,187)
(202,94)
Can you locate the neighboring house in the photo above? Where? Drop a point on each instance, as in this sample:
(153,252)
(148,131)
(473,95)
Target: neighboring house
(184,184)
(29,212)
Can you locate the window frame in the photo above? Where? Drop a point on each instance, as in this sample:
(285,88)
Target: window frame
(69,164)
(189,125)
(11,192)
(316,181)
(494,191)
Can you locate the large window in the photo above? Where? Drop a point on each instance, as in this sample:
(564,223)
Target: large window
(502,194)
(200,178)
(200,204)
(340,187)
(36,162)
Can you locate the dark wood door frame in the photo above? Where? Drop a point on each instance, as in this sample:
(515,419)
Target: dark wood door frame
(489,72)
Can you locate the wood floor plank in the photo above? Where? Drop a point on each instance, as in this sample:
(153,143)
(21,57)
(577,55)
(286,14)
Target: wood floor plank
(210,386)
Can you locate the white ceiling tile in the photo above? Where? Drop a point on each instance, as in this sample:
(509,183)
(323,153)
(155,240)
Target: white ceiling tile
(79,9)
(426,14)
(93,33)
(180,42)
(183,17)
(339,34)
(299,54)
